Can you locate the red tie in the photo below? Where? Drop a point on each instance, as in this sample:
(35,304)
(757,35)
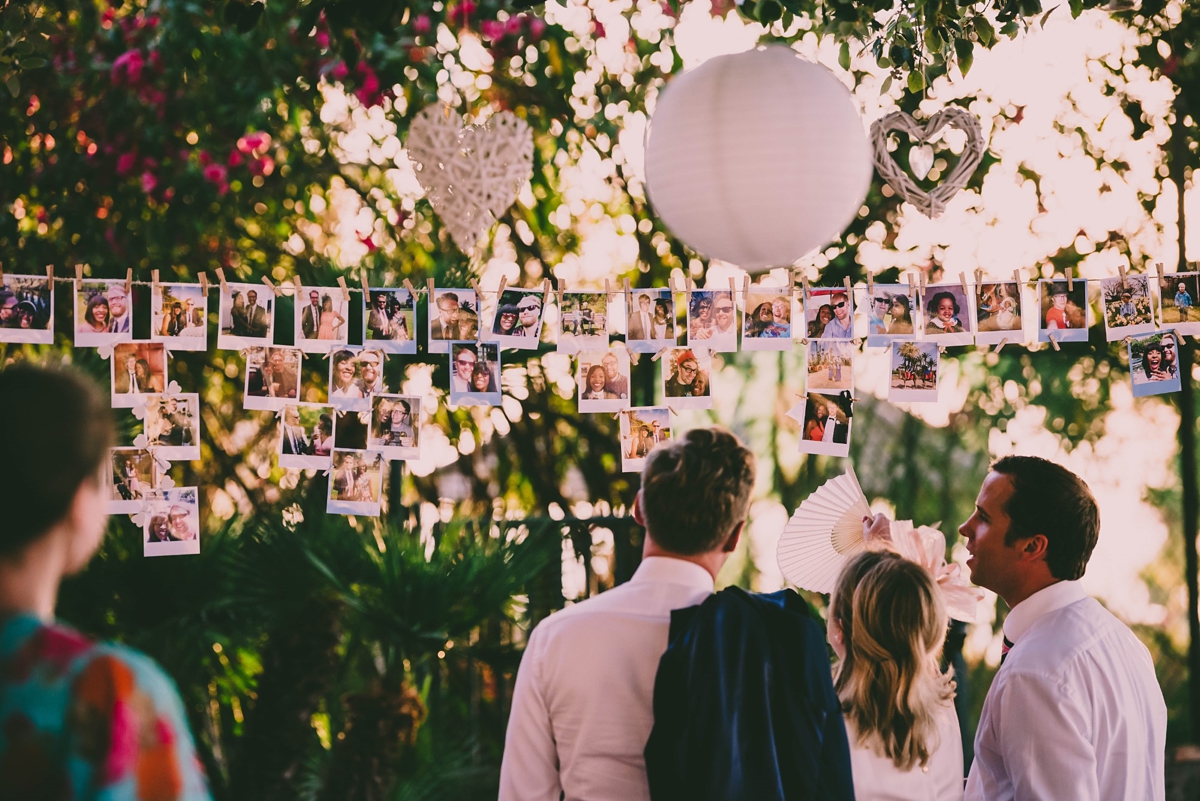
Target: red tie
(1004,649)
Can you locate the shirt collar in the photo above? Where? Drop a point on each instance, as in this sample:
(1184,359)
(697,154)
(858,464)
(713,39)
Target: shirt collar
(1043,602)
(666,570)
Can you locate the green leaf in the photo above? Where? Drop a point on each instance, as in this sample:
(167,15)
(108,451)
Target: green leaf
(769,11)
(1076,8)
(933,41)
(1010,29)
(1046,16)
(886,85)
(964,51)
(916,82)
(984,30)
(250,17)
(32,63)
(844,56)
(787,19)
(14,85)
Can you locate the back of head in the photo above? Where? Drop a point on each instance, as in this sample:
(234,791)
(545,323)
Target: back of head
(59,428)
(1049,499)
(893,621)
(696,490)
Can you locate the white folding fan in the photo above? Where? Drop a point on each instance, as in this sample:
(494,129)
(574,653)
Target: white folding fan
(825,531)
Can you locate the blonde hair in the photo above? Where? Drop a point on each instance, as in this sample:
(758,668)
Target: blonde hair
(894,623)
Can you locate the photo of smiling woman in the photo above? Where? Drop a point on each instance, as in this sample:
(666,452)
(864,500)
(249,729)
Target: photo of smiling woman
(948,315)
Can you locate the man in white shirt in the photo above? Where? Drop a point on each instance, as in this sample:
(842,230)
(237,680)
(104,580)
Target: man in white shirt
(1075,711)
(641,321)
(841,326)
(462,366)
(118,307)
(583,704)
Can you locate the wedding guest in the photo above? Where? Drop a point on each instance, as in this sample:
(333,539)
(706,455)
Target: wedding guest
(762,323)
(582,705)
(682,381)
(174,322)
(887,625)
(641,320)
(1152,363)
(841,326)
(1170,349)
(181,527)
(239,322)
(310,318)
(83,719)
(398,332)
(126,381)
(400,426)
(331,321)
(146,380)
(118,303)
(345,369)
(530,310)
(1056,315)
(159,529)
(1126,308)
(943,315)
(345,477)
(1075,710)
(370,373)
(462,368)
(481,379)
(322,439)
(700,316)
(95,317)
(901,313)
(817,419)
(295,439)
(468,324)
(781,311)
(379,322)
(614,382)
(722,333)
(816,326)
(256,322)
(506,320)
(1183,302)
(593,385)
(8,309)
(279,377)
(664,327)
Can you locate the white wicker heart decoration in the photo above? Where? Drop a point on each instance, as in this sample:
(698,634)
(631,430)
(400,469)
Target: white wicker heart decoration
(471,173)
(931,203)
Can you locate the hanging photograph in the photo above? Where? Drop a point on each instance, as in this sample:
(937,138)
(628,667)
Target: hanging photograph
(830,365)
(171,522)
(518,320)
(1154,364)
(767,322)
(948,315)
(306,436)
(395,426)
(247,316)
(892,315)
(321,318)
(712,320)
(1127,305)
(272,378)
(642,429)
(650,325)
(453,317)
(1178,297)
(132,473)
(354,375)
(179,316)
(1063,311)
(999,309)
(475,374)
(27,309)
(583,322)
(171,424)
(602,378)
(826,426)
(829,313)
(351,430)
(137,369)
(355,483)
(687,375)
(102,313)
(914,375)
(389,320)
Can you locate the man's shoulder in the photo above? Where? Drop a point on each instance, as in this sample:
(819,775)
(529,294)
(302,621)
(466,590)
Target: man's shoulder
(1058,640)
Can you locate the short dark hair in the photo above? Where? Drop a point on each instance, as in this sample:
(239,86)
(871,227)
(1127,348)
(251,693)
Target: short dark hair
(1050,500)
(696,489)
(61,430)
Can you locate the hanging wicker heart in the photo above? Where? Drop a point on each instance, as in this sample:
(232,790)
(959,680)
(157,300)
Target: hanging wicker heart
(931,203)
(471,174)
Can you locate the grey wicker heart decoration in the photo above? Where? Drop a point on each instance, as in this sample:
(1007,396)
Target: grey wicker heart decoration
(470,173)
(931,203)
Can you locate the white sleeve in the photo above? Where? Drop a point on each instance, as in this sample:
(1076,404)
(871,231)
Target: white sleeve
(529,771)
(1044,736)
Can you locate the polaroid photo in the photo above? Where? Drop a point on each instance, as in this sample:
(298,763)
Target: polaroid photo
(687,378)
(137,369)
(1128,306)
(1154,363)
(475,374)
(602,377)
(453,317)
(171,424)
(1063,311)
(998,305)
(642,429)
(949,316)
(518,320)
(914,375)
(395,426)
(767,322)
(103,313)
(355,483)
(712,320)
(350,430)
(826,427)
(306,436)
(830,365)
(1178,295)
(892,315)
(583,322)
(390,320)
(132,474)
(355,374)
(179,316)
(171,522)
(829,313)
(321,318)
(247,317)
(650,324)
(27,309)
(272,378)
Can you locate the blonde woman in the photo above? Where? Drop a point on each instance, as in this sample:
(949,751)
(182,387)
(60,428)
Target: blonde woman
(887,623)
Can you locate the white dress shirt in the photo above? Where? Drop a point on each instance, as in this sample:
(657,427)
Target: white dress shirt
(1075,711)
(583,704)
(876,778)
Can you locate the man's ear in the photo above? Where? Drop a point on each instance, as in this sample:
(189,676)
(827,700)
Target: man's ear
(637,510)
(1033,549)
(731,544)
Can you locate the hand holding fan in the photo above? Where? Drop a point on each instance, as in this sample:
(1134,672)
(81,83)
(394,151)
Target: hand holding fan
(825,531)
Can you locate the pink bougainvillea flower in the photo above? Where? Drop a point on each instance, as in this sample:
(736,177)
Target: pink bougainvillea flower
(235,159)
(371,246)
(205,159)
(492,29)
(537,27)
(462,12)
(264,165)
(322,39)
(125,163)
(597,29)
(127,68)
(514,25)
(422,24)
(215,173)
(255,142)
(149,182)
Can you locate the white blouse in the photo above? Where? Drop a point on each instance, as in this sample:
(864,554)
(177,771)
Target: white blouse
(876,778)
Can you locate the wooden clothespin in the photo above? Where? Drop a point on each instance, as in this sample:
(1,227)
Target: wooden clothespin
(1017,277)
(562,287)
(267,282)
(733,289)
(475,288)
(628,299)
(1053,337)
(804,288)
(412,292)
(50,272)
(978,276)
(691,286)
(607,291)
(1159,268)
(79,273)
(849,291)
(1001,344)
(429,290)
(366,285)
(204,285)
(1,271)
(1121,270)
(221,280)
(659,355)
(500,291)
(791,281)
(154,281)
(129,281)
(545,293)
(345,289)
(1070,279)
(962,277)
(870,283)
(912,284)
(299,288)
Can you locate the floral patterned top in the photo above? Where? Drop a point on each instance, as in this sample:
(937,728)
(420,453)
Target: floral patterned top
(81,721)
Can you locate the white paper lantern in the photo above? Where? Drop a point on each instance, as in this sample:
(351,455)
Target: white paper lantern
(757,158)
